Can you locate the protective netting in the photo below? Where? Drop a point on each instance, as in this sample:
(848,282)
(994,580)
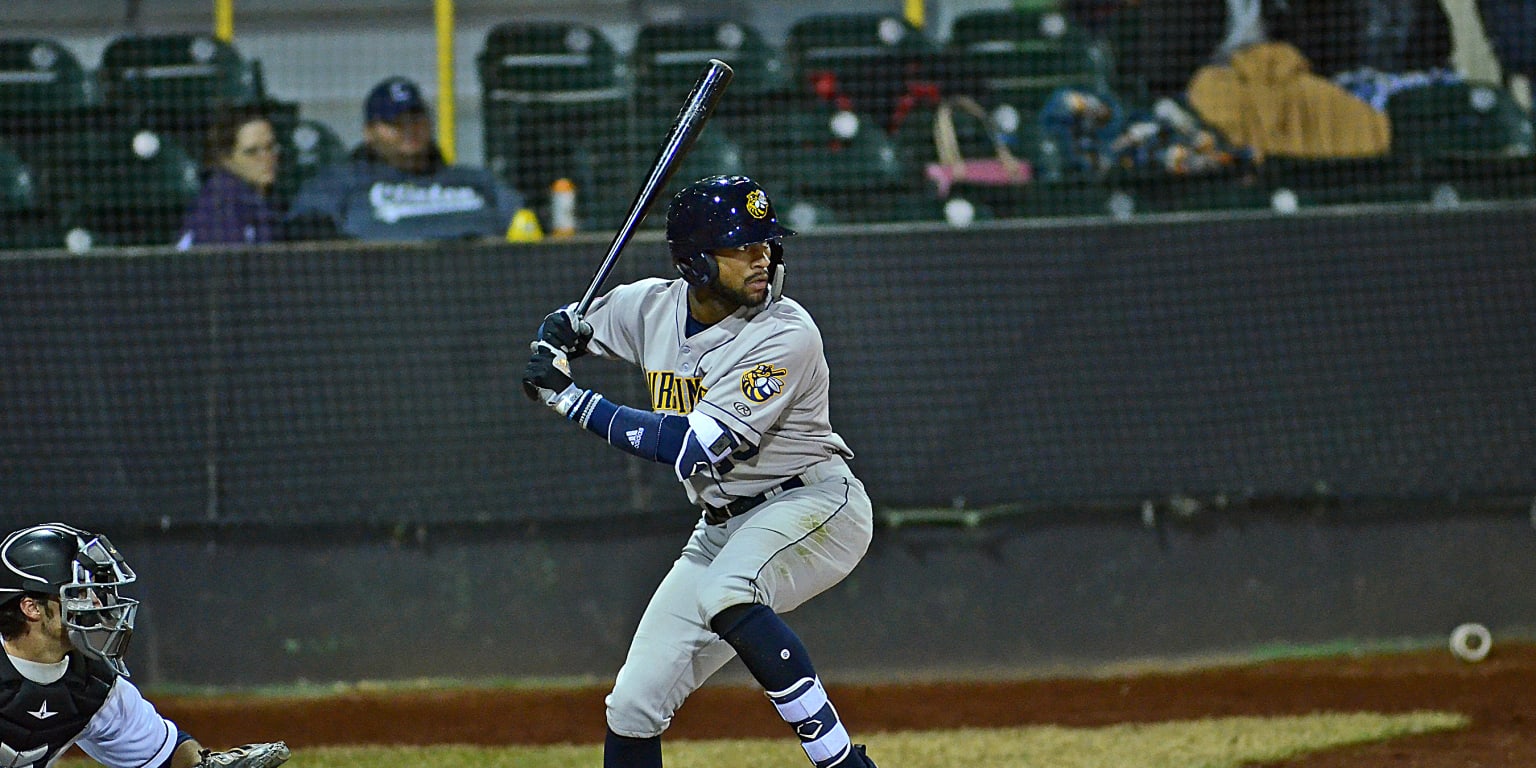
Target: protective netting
(1328,359)
(1115,251)
(989,110)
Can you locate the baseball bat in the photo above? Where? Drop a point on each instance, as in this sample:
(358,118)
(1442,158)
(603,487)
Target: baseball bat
(685,129)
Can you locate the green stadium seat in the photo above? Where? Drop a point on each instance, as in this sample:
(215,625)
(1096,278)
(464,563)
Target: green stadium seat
(1348,181)
(669,57)
(1022,56)
(607,180)
(1473,141)
(1154,190)
(563,58)
(548,88)
(837,40)
(17,190)
(1459,119)
(308,146)
(124,185)
(915,134)
(39,75)
(1075,197)
(873,56)
(176,71)
(24,221)
(841,160)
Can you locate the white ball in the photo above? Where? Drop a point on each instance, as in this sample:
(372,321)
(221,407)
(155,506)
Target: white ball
(959,212)
(77,241)
(1445,196)
(1053,25)
(1121,206)
(803,216)
(1471,642)
(146,144)
(1284,201)
(1007,118)
(845,124)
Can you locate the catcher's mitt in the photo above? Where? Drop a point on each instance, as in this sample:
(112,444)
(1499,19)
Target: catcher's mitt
(267,755)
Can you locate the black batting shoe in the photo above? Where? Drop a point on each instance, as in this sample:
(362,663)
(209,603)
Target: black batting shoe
(865,762)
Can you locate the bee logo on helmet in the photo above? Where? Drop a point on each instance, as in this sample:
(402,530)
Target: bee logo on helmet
(722,212)
(757,203)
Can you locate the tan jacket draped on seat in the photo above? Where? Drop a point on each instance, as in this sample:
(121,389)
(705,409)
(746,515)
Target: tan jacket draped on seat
(1268,99)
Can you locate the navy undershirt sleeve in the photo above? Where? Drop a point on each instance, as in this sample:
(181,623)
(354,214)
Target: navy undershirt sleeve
(655,436)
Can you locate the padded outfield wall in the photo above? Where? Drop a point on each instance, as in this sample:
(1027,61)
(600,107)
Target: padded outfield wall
(1178,436)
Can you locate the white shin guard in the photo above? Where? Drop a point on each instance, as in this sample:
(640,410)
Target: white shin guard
(807,709)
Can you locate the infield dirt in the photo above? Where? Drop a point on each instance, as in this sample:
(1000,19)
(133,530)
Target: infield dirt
(1498,695)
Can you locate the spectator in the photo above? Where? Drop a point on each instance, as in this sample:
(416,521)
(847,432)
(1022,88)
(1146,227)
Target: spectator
(240,165)
(397,186)
(1384,35)
(1511,29)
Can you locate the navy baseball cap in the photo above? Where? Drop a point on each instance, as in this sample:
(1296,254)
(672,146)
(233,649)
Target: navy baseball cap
(392,98)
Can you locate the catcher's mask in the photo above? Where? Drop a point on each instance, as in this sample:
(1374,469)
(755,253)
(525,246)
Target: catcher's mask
(84,571)
(722,212)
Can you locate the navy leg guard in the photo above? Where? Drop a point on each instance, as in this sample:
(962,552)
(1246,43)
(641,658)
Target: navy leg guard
(627,752)
(779,662)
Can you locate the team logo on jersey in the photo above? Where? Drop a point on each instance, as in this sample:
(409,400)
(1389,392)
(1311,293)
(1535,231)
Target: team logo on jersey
(762,382)
(671,393)
(43,713)
(757,203)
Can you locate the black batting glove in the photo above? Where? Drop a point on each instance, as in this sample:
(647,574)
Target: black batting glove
(564,330)
(547,378)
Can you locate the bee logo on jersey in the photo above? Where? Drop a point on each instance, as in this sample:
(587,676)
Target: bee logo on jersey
(762,382)
(757,203)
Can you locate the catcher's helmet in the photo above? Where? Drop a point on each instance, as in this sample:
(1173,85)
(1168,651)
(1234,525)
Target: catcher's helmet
(84,571)
(720,212)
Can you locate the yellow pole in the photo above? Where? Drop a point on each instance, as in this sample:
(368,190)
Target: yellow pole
(224,20)
(445,95)
(914,13)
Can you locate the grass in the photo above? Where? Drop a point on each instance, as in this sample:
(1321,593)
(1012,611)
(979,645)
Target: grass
(1212,743)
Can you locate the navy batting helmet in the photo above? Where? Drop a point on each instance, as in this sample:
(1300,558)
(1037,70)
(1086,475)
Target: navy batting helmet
(84,571)
(719,212)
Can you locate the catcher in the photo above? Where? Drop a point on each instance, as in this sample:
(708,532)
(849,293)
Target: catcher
(63,681)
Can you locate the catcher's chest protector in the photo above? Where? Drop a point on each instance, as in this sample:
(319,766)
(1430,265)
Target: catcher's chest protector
(37,722)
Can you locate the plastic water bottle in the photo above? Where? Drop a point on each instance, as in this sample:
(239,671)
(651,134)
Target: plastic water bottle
(562,208)
(1050,161)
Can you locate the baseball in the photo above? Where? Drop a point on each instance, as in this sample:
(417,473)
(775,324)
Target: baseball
(146,144)
(845,124)
(959,212)
(1121,206)
(77,241)
(1471,642)
(1284,201)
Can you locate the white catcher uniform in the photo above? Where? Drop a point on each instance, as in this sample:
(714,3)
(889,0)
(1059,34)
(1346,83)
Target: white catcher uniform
(762,375)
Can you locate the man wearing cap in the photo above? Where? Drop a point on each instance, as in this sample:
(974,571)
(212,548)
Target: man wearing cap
(397,186)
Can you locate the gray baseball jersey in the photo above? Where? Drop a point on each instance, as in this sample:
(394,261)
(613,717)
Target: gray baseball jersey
(760,372)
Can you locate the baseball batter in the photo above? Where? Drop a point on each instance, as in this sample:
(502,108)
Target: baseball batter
(738,388)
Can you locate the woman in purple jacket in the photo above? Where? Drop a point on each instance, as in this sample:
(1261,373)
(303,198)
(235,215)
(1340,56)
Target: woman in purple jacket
(233,205)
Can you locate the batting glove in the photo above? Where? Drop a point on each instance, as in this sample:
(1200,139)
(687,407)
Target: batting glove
(566,331)
(547,378)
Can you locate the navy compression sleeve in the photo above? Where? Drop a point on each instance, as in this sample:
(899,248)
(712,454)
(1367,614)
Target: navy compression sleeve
(659,437)
(654,436)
